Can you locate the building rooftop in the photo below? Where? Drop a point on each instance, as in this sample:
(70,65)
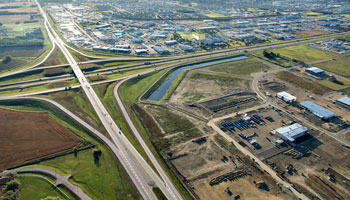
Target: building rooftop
(317,110)
(287,96)
(344,100)
(315,70)
(291,132)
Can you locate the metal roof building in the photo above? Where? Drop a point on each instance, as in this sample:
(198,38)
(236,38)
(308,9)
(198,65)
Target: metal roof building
(317,110)
(345,102)
(314,70)
(292,132)
(286,97)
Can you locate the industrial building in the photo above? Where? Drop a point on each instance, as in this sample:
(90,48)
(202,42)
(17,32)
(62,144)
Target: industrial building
(317,110)
(170,42)
(315,70)
(345,102)
(290,133)
(161,50)
(286,97)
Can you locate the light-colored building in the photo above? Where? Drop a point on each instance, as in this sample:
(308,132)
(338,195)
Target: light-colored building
(290,133)
(345,102)
(286,97)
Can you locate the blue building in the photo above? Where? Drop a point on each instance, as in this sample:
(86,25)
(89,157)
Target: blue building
(317,110)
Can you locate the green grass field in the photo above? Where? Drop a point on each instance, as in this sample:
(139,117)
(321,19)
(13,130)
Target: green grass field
(105,180)
(303,53)
(285,62)
(301,82)
(215,15)
(339,66)
(33,187)
(240,67)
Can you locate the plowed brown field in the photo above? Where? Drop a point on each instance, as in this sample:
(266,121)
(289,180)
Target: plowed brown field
(29,136)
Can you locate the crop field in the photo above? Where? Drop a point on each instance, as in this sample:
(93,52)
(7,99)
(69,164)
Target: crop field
(339,66)
(303,53)
(100,178)
(240,67)
(37,136)
(22,7)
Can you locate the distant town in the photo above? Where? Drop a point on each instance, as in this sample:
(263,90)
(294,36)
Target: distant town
(168,28)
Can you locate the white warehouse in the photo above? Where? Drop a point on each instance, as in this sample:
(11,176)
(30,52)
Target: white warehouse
(286,97)
(290,133)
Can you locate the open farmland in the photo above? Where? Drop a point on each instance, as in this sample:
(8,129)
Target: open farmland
(24,10)
(37,135)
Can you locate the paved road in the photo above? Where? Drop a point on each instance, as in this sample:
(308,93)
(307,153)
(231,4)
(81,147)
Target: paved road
(60,180)
(136,166)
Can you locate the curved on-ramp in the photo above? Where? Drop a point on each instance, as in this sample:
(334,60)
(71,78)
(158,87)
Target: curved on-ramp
(60,180)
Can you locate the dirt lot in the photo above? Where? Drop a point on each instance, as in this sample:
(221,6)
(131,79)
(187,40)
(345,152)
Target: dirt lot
(310,169)
(29,136)
(201,163)
(199,85)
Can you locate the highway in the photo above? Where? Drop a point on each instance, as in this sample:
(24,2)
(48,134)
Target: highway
(143,176)
(60,180)
(136,166)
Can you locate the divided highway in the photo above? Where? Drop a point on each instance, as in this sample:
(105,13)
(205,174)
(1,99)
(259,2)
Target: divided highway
(138,169)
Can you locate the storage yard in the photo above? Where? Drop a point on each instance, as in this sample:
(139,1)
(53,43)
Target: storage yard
(37,136)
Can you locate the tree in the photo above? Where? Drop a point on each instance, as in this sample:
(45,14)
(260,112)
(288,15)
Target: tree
(7,59)
(10,195)
(97,153)
(12,185)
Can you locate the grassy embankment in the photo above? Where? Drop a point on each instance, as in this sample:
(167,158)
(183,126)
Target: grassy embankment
(77,102)
(38,187)
(302,82)
(44,87)
(105,179)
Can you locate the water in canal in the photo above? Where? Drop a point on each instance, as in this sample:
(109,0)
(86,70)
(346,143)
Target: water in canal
(158,94)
